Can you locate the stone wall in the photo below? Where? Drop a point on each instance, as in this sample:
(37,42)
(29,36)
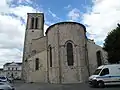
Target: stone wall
(38,45)
(58,36)
(52,39)
(92,58)
(29,35)
(41,74)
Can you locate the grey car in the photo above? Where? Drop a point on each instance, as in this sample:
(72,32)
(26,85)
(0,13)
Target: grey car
(6,86)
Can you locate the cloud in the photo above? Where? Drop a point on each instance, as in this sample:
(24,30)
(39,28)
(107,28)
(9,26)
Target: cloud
(101,18)
(12,29)
(53,15)
(25,1)
(67,7)
(74,14)
(21,11)
(7,56)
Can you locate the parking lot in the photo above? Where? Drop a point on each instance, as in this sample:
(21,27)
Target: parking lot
(41,86)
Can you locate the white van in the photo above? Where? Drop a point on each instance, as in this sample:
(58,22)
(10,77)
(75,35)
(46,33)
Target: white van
(105,75)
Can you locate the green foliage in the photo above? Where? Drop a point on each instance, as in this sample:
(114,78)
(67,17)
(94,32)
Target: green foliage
(112,45)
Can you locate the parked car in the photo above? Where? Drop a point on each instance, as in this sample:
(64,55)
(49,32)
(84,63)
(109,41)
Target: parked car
(10,80)
(3,79)
(105,75)
(6,86)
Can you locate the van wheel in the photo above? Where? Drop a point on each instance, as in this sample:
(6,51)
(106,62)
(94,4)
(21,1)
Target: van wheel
(100,84)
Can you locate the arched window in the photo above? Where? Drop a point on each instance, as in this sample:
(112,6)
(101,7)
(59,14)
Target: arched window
(50,56)
(70,60)
(99,61)
(36,23)
(37,64)
(32,23)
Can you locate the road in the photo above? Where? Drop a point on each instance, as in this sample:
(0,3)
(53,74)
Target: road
(41,86)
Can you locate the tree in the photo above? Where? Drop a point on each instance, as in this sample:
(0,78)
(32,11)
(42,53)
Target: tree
(112,45)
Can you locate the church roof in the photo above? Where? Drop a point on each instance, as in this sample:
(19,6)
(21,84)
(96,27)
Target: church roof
(36,13)
(65,23)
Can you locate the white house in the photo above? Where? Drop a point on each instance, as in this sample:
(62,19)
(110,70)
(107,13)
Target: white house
(12,69)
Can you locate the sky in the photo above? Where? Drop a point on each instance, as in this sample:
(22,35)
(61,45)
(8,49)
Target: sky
(99,17)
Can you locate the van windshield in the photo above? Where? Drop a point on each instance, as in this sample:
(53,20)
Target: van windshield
(97,72)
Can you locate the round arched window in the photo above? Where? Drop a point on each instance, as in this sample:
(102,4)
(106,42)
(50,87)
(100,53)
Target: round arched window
(70,60)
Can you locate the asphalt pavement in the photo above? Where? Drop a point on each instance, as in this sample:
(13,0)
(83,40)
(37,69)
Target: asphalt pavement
(42,86)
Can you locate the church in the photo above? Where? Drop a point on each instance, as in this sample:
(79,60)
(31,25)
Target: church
(63,55)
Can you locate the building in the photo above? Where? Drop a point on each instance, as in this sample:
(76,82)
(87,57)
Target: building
(1,72)
(64,55)
(13,69)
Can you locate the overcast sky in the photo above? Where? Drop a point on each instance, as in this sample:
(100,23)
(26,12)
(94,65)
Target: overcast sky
(99,17)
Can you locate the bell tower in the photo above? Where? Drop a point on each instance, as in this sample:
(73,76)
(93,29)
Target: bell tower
(34,29)
(35,21)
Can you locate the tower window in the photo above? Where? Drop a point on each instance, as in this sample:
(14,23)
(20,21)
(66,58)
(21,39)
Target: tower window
(37,64)
(70,60)
(32,23)
(50,56)
(36,23)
